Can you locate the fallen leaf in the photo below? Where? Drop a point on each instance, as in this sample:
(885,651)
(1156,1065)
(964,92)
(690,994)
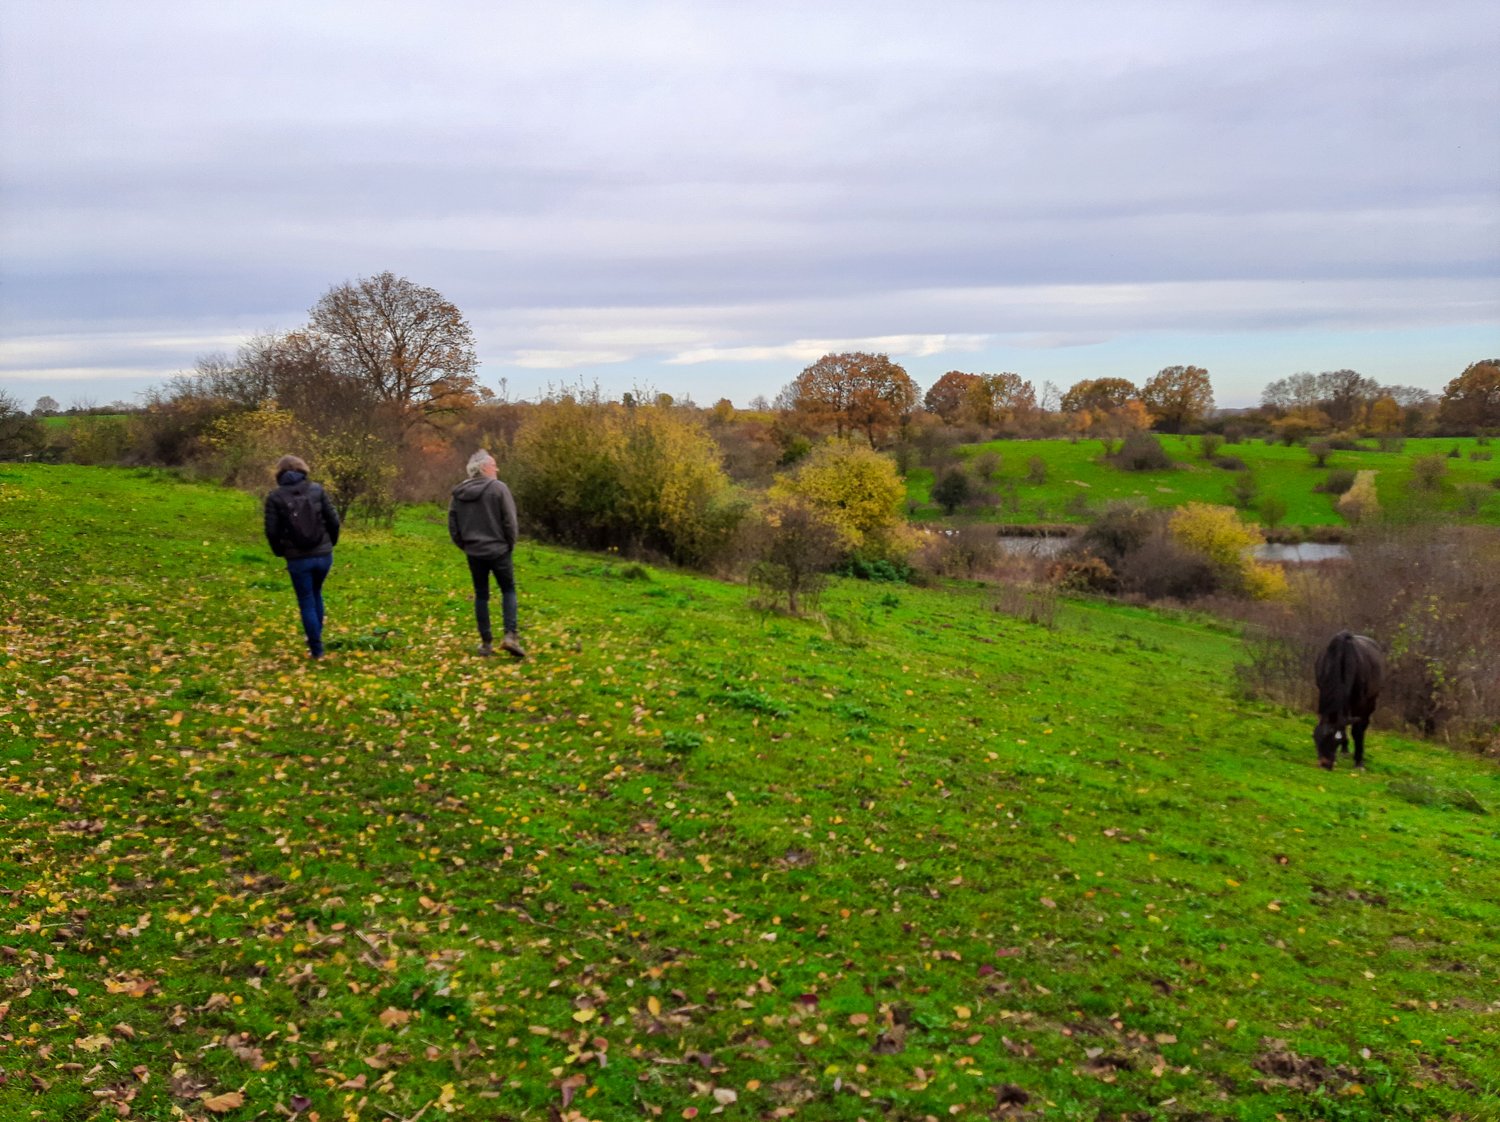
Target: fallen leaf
(223,1104)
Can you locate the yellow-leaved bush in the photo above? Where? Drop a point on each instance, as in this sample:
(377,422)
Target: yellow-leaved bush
(1218,534)
(858,492)
(602,474)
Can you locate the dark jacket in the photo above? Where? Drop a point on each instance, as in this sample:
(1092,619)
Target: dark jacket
(482,517)
(278,526)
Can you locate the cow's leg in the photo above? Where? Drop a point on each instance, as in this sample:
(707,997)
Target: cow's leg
(1359,740)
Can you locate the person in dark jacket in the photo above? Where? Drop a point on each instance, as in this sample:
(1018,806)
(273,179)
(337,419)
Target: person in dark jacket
(303,527)
(482,523)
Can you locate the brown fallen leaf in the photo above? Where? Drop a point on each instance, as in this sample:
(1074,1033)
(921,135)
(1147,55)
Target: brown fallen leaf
(223,1104)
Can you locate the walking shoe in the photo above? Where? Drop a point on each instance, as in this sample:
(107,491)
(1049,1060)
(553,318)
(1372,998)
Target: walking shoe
(511,645)
(485,649)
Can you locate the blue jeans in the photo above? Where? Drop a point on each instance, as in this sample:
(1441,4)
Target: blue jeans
(504,570)
(307,575)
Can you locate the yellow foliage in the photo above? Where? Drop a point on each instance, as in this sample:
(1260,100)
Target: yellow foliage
(605,474)
(858,492)
(1218,534)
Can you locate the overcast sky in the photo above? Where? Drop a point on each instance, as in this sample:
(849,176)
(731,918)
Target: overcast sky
(702,198)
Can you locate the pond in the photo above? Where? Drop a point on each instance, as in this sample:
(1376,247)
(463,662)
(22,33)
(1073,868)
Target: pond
(1297,553)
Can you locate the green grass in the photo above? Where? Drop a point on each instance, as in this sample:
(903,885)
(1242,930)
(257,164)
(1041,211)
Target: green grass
(881,867)
(1075,469)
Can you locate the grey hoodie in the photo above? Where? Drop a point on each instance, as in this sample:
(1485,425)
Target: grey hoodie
(482,518)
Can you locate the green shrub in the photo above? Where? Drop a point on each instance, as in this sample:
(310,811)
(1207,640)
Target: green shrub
(1141,452)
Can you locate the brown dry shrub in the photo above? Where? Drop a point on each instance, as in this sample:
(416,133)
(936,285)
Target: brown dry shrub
(1426,595)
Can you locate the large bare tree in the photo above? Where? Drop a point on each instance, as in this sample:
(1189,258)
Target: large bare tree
(412,348)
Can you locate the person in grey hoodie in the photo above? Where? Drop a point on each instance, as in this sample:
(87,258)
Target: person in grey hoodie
(482,523)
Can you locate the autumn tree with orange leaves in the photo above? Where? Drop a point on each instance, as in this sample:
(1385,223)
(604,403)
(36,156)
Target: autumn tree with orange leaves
(855,392)
(1178,397)
(949,394)
(1001,399)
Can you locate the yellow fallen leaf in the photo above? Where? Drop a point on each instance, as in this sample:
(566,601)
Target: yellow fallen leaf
(653,1006)
(223,1104)
(583,1016)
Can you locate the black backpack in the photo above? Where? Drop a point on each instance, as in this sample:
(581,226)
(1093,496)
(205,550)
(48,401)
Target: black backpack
(304,519)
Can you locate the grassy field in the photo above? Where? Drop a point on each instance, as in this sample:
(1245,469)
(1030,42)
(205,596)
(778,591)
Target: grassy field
(1074,469)
(919,860)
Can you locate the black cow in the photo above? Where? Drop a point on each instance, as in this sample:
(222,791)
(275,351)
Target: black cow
(1350,672)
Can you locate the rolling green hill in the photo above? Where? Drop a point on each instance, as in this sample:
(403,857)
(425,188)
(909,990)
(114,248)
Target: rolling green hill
(1076,477)
(919,860)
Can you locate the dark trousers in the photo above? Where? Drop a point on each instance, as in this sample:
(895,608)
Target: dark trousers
(504,570)
(307,575)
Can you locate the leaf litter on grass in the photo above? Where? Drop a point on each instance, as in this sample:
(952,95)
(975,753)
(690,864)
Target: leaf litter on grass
(649,871)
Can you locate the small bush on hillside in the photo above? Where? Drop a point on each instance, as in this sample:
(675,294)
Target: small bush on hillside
(1427,472)
(1320,450)
(1272,509)
(1163,569)
(1209,444)
(1029,603)
(1036,470)
(987,464)
(1141,452)
(1479,456)
(1337,482)
(1392,443)
(1121,529)
(1243,490)
(1472,497)
(952,489)
(359,471)
(1083,573)
(880,569)
(1231,463)
(793,549)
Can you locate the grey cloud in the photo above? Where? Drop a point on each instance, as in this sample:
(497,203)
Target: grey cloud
(179,163)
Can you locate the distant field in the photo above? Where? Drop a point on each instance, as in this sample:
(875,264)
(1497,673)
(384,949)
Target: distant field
(914,860)
(54,424)
(1075,468)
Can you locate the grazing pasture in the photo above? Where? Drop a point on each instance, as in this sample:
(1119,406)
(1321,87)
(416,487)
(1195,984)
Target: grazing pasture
(914,860)
(1075,478)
